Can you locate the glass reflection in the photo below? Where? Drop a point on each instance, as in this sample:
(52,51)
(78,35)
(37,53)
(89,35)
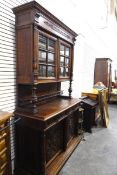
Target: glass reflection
(51,44)
(42,71)
(51,71)
(50,57)
(67,62)
(42,41)
(62,71)
(67,51)
(62,49)
(61,61)
(42,56)
(67,72)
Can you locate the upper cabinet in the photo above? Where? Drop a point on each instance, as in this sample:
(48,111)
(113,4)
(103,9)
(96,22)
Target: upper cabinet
(44,46)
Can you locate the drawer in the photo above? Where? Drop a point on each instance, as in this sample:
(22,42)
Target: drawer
(2,144)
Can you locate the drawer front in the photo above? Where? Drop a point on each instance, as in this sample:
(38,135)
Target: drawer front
(60,117)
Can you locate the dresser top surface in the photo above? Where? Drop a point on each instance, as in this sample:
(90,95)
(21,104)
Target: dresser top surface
(51,109)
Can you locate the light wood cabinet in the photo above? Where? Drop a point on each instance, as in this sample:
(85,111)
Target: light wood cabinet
(5,153)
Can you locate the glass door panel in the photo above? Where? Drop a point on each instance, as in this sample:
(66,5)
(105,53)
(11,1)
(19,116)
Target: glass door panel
(67,51)
(62,71)
(66,61)
(62,63)
(42,41)
(67,72)
(51,71)
(51,45)
(42,56)
(42,71)
(62,49)
(51,58)
(47,60)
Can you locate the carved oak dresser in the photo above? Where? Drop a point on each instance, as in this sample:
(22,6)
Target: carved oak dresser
(47,132)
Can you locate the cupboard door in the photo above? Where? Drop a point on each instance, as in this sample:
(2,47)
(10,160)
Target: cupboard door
(47,56)
(64,60)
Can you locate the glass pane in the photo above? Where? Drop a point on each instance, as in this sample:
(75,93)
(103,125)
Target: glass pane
(67,51)
(61,61)
(42,71)
(67,72)
(62,71)
(62,50)
(51,71)
(67,62)
(51,44)
(42,41)
(42,56)
(50,58)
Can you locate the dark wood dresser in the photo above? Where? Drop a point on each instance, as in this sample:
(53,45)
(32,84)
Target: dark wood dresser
(48,131)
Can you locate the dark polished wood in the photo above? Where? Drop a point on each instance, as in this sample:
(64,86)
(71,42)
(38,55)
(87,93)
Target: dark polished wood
(46,137)
(47,133)
(103,72)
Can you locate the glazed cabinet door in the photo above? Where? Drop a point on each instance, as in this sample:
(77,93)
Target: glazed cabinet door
(64,60)
(47,57)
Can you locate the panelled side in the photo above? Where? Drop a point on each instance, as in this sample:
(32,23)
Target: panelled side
(24,54)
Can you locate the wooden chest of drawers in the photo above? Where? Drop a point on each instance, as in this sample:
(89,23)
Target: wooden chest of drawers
(5,168)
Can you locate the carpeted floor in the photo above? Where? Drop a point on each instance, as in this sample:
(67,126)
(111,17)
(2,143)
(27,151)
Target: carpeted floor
(97,155)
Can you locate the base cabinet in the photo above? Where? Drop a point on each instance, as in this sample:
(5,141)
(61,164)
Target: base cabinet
(42,147)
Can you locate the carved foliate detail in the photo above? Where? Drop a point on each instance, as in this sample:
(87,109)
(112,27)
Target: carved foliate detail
(70,127)
(34,98)
(54,141)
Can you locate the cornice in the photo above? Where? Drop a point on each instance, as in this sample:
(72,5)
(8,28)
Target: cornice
(35,5)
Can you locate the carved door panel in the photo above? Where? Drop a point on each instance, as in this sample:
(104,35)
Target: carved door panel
(70,128)
(54,142)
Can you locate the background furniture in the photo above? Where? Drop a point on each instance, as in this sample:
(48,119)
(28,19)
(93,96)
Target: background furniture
(47,133)
(103,73)
(89,107)
(5,154)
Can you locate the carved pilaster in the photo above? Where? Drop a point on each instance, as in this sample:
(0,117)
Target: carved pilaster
(34,87)
(70,86)
(34,98)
